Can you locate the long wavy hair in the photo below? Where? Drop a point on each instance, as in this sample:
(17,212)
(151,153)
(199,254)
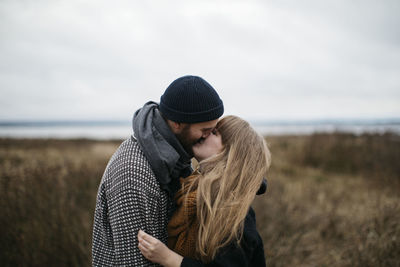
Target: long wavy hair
(227,185)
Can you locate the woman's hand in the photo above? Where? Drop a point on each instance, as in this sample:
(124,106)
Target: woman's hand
(156,251)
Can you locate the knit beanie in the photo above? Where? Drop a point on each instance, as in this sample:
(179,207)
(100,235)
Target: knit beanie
(190,99)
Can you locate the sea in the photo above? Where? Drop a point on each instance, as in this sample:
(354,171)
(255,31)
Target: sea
(104,130)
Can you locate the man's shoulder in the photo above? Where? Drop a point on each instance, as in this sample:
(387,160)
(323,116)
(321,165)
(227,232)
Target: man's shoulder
(129,146)
(128,165)
(129,152)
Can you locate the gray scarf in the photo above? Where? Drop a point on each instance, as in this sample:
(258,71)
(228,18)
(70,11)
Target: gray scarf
(168,159)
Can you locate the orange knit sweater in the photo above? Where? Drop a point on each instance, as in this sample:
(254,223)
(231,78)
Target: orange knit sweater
(183,226)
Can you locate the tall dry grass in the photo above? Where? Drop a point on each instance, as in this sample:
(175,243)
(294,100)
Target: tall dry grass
(47,194)
(333,200)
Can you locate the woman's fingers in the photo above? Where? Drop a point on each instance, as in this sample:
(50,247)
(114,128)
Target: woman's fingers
(144,251)
(142,247)
(147,242)
(156,251)
(145,247)
(144,243)
(148,238)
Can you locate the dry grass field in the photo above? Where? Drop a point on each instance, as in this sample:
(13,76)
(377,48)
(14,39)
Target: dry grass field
(333,200)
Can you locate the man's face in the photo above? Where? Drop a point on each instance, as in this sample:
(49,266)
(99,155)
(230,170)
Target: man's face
(191,134)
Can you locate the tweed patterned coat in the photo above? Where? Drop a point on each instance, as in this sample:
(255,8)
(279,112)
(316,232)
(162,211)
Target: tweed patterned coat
(129,198)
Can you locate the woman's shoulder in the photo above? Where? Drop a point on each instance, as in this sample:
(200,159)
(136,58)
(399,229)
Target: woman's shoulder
(250,220)
(250,233)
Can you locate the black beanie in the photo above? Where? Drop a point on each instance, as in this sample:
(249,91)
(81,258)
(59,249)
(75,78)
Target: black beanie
(190,99)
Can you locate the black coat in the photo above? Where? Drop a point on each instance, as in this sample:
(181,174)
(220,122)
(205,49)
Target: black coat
(249,253)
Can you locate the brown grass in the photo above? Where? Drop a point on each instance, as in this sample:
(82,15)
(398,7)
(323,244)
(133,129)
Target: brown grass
(333,200)
(47,196)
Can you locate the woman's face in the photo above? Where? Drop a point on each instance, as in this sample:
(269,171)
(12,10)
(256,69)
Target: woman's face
(208,147)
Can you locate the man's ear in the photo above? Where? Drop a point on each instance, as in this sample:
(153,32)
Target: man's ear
(176,127)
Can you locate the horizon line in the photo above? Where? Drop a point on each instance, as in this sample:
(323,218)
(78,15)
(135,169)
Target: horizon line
(258,122)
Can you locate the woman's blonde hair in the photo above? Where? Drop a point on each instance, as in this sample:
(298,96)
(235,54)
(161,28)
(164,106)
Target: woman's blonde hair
(227,185)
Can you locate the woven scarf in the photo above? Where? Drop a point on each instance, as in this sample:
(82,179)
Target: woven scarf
(166,156)
(183,226)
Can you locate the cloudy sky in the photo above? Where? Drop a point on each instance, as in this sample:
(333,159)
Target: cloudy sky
(267,59)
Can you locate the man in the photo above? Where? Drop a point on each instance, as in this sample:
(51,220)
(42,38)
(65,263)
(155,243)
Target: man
(142,177)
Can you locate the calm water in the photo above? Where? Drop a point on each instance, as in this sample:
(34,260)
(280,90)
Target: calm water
(101,130)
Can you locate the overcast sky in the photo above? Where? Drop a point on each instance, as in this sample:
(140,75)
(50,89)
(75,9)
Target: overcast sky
(267,59)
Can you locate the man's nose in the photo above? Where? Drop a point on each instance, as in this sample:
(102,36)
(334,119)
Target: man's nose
(205,135)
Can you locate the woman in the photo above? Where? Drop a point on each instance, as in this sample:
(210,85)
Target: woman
(214,223)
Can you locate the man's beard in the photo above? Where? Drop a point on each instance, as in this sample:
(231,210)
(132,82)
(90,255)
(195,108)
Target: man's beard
(186,140)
